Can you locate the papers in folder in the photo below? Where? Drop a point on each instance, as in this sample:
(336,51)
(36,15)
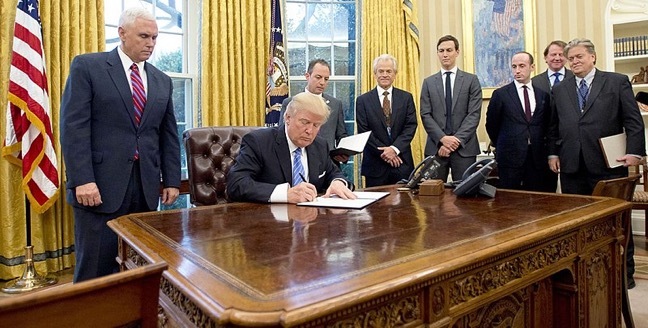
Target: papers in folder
(613,147)
(365,198)
(351,145)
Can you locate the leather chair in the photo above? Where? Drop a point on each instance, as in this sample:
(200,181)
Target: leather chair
(124,299)
(622,188)
(211,151)
(640,197)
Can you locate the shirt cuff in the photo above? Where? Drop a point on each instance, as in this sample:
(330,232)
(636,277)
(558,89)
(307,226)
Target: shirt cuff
(395,149)
(280,193)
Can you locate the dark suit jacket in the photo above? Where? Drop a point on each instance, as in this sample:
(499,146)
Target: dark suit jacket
(541,81)
(370,117)
(466,112)
(333,130)
(610,107)
(510,132)
(99,135)
(264,162)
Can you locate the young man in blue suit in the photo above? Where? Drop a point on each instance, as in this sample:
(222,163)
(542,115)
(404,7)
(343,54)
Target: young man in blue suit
(453,138)
(119,138)
(389,113)
(289,163)
(516,121)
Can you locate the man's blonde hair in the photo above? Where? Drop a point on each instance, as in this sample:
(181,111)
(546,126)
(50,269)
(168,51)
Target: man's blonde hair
(308,102)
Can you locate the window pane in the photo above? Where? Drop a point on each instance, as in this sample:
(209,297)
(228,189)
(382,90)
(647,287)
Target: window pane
(345,91)
(319,20)
(297,58)
(169,19)
(344,22)
(167,55)
(344,54)
(295,22)
(316,51)
(112,38)
(297,87)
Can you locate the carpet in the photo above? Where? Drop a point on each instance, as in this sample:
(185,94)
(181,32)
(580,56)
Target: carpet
(641,267)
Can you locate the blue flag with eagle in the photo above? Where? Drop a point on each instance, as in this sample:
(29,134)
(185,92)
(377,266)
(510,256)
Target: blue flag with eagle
(277,71)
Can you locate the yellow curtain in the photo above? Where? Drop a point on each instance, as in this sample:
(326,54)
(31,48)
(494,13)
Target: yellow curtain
(70,27)
(390,26)
(235,40)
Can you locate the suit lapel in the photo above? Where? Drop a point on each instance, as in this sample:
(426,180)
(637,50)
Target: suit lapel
(153,86)
(540,99)
(570,89)
(511,91)
(283,153)
(116,72)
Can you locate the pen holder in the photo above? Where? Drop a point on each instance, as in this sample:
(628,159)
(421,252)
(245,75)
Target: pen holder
(432,187)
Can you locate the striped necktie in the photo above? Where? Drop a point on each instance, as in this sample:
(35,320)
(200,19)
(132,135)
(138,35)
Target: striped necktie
(139,98)
(298,168)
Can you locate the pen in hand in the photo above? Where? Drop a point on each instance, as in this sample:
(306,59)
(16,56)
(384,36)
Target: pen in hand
(301,175)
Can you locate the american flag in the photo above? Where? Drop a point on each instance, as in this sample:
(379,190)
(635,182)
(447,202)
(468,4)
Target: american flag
(277,70)
(28,140)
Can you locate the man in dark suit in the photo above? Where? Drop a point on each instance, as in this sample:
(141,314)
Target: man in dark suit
(452,137)
(516,121)
(118,139)
(556,71)
(591,105)
(389,113)
(288,163)
(317,77)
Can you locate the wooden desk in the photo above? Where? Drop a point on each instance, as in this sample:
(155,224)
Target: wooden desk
(518,260)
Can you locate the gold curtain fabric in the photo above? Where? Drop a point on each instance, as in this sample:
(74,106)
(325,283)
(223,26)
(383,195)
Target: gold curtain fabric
(234,49)
(390,27)
(70,27)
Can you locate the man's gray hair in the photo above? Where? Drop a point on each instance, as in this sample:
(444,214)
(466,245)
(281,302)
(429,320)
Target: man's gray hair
(580,42)
(385,57)
(129,16)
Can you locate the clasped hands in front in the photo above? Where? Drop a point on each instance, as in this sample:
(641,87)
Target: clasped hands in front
(389,155)
(306,192)
(448,145)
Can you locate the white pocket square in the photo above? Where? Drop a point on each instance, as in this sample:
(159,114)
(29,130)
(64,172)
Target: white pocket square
(321,175)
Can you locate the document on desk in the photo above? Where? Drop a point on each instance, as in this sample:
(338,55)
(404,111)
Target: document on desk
(351,145)
(613,147)
(364,199)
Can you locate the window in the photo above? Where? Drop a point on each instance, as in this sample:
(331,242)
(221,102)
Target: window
(324,29)
(175,54)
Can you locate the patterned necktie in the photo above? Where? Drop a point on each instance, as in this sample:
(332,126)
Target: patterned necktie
(139,96)
(527,103)
(556,79)
(448,102)
(298,168)
(583,91)
(386,106)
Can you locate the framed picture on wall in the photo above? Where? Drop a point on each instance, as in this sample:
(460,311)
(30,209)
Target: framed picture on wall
(500,28)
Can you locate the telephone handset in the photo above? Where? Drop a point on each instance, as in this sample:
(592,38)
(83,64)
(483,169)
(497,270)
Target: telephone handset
(427,169)
(474,178)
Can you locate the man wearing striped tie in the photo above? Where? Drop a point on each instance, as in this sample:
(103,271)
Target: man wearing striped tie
(289,163)
(118,137)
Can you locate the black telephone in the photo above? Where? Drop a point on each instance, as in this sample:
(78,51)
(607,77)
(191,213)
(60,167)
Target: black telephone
(473,180)
(427,169)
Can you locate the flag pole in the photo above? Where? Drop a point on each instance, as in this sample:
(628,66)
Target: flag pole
(30,278)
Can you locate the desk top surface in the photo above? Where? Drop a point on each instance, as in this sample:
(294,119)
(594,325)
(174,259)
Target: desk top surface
(265,258)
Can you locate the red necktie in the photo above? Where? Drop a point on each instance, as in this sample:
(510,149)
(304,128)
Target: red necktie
(527,104)
(139,97)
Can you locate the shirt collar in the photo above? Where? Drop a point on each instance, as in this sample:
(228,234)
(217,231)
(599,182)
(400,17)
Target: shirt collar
(519,85)
(453,70)
(588,78)
(381,90)
(127,61)
(291,145)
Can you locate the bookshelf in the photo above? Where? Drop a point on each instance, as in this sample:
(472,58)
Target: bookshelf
(630,47)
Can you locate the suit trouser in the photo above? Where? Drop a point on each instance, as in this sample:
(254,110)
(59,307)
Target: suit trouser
(95,243)
(456,164)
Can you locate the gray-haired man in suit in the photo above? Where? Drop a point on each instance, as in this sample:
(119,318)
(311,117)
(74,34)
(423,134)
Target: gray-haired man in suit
(317,77)
(452,137)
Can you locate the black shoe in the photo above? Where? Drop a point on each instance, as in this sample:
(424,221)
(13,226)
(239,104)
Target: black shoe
(631,283)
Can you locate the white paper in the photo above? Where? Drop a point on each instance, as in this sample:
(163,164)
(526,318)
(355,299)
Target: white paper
(364,198)
(355,142)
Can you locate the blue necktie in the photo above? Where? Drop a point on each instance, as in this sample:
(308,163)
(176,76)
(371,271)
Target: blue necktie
(448,103)
(298,168)
(583,91)
(556,79)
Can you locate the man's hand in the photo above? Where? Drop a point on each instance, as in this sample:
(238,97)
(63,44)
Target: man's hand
(389,155)
(169,195)
(451,142)
(554,164)
(341,158)
(630,160)
(88,194)
(303,192)
(339,189)
(444,151)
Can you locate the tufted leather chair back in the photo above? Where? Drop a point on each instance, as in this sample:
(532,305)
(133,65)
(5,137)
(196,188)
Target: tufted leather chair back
(211,151)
